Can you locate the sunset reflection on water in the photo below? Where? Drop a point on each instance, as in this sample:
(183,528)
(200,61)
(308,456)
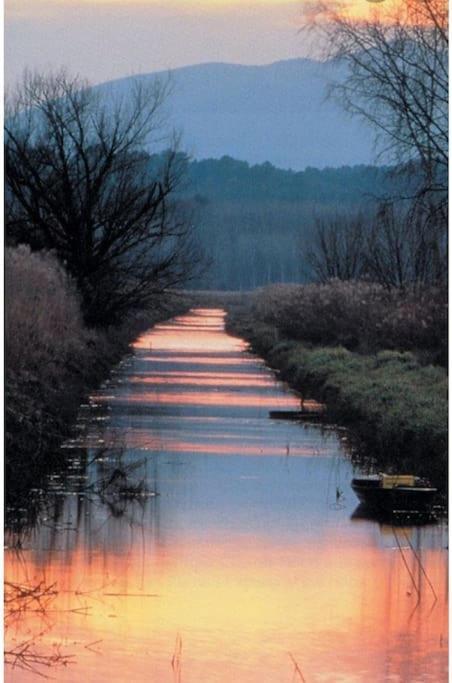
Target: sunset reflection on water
(220,566)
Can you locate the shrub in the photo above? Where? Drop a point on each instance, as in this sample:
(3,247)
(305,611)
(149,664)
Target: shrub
(46,348)
(43,324)
(357,315)
(52,359)
(394,402)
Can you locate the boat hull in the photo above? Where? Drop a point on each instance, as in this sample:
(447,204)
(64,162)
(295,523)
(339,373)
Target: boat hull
(396,500)
(296,415)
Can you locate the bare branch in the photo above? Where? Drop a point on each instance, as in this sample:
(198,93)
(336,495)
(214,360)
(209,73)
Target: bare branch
(80,180)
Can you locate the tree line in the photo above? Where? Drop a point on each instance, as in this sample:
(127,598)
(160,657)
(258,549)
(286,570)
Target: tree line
(395,245)
(229,179)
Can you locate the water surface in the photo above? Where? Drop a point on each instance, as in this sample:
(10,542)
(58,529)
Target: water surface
(193,539)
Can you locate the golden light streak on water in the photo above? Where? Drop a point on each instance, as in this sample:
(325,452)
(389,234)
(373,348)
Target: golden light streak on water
(243,545)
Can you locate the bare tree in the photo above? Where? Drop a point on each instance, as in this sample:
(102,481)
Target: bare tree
(404,248)
(338,250)
(397,246)
(78,181)
(397,79)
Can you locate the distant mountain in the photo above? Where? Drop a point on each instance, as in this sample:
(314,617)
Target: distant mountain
(278,113)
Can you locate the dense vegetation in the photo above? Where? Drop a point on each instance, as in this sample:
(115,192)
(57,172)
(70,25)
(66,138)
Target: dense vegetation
(366,353)
(52,359)
(360,316)
(260,225)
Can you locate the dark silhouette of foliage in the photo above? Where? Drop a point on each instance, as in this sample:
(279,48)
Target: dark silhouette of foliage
(79,182)
(395,246)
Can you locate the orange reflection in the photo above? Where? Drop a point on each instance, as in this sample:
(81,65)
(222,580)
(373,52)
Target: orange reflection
(191,327)
(203,332)
(143,442)
(206,379)
(221,398)
(202,360)
(240,606)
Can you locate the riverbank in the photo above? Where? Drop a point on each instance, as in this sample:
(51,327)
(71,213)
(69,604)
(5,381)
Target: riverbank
(394,406)
(53,361)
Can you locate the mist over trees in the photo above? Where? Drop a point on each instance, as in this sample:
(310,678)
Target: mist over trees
(126,222)
(256,223)
(261,225)
(78,182)
(387,225)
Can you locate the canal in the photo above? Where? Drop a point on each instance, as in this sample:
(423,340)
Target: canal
(190,538)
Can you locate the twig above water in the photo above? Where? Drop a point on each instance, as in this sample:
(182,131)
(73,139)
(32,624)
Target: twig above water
(421,567)
(297,671)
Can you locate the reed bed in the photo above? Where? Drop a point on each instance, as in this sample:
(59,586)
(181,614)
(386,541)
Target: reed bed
(52,359)
(386,388)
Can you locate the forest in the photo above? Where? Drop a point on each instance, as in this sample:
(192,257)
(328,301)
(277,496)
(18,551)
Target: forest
(255,224)
(258,225)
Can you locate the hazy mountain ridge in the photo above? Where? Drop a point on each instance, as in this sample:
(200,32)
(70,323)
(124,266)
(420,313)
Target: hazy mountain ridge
(279,113)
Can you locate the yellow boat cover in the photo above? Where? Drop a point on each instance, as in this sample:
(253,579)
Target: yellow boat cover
(391,480)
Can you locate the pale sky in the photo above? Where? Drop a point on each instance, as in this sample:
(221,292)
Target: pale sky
(105,39)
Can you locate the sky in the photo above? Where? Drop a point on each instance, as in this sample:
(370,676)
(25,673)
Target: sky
(105,39)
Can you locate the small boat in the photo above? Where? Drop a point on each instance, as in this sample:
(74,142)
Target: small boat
(395,494)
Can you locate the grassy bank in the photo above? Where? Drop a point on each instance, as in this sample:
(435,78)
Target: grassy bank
(393,401)
(53,360)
